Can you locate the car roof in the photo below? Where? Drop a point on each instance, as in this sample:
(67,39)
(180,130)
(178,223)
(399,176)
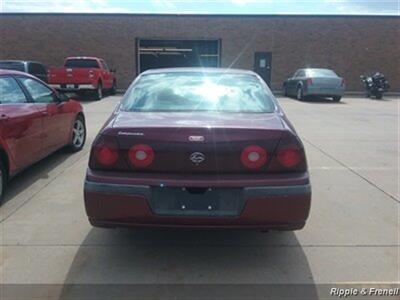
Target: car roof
(83,57)
(199,69)
(12,72)
(319,69)
(20,61)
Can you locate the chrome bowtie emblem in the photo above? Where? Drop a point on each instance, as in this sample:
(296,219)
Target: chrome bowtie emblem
(197,157)
(196,138)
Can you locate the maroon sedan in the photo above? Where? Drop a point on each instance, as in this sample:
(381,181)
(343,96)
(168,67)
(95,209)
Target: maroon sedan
(207,148)
(35,121)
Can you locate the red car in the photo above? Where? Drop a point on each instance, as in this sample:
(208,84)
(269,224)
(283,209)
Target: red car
(83,74)
(206,148)
(35,121)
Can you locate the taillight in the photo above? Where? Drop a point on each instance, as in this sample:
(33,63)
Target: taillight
(289,157)
(91,74)
(309,81)
(106,154)
(141,155)
(253,157)
(105,151)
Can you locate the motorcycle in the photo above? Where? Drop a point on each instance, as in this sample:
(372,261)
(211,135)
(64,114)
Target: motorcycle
(375,85)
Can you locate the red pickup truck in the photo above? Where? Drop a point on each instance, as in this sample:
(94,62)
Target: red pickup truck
(82,75)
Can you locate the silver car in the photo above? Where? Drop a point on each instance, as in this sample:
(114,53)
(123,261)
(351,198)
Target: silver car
(314,82)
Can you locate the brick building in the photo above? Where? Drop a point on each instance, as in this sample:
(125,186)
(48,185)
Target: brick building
(274,46)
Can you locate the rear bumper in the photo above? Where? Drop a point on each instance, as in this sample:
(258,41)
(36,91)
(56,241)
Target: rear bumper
(73,87)
(261,207)
(315,91)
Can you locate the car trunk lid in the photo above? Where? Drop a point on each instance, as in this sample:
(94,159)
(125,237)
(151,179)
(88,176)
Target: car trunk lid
(326,82)
(197,142)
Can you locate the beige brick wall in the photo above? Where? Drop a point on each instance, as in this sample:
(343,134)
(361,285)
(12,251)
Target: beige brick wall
(349,45)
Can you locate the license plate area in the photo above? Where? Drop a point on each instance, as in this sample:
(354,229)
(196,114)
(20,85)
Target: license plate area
(196,201)
(325,89)
(70,86)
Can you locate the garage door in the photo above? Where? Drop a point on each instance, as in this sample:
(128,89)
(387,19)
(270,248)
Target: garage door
(153,54)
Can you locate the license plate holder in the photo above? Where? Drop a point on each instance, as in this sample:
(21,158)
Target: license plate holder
(185,202)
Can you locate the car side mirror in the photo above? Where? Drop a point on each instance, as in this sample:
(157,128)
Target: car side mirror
(61,97)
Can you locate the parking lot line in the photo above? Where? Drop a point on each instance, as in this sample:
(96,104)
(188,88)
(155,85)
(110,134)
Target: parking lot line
(353,170)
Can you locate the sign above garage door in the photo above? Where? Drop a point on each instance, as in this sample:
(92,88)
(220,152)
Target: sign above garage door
(153,54)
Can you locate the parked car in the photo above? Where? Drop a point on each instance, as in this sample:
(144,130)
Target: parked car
(84,74)
(35,121)
(314,82)
(198,148)
(34,68)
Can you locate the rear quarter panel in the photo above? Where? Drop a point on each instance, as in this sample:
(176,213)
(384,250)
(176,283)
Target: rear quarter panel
(76,108)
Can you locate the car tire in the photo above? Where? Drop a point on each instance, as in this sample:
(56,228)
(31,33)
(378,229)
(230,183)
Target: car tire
(78,134)
(3,180)
(336,98)
(98,93)
(379,96)
(299,94)
(284,90)
(113,90)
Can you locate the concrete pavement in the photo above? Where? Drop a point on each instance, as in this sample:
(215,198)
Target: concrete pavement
(352,234)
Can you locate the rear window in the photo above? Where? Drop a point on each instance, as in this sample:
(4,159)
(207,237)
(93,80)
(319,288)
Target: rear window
(198,92)
(321,73)
(81,63)
(16,66)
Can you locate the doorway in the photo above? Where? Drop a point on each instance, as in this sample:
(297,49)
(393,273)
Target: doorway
(154,54)
(262,65)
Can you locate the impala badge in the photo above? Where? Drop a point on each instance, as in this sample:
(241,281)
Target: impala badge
(196,138)
(197,157)
(130,133)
